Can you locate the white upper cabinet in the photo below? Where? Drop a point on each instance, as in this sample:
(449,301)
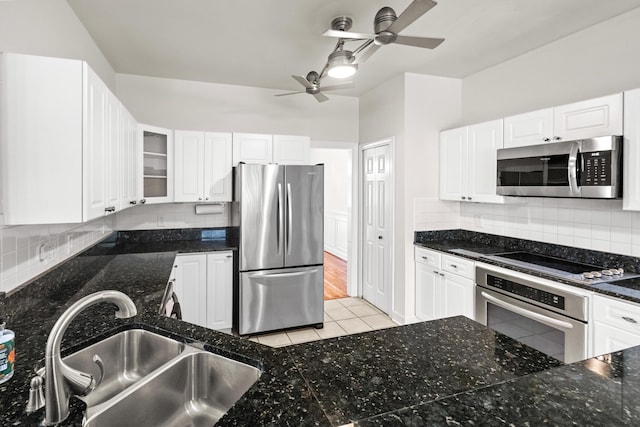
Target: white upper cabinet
(252,148)
(155,175)
(468,162)
(203,166)
(631,150)
(265,149)
(585,119)
(531,128)
(60,141)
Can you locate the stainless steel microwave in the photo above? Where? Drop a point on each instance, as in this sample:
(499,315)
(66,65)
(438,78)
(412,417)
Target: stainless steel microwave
(589,168)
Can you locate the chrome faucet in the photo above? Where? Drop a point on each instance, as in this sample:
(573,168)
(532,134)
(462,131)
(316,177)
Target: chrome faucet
(61,381)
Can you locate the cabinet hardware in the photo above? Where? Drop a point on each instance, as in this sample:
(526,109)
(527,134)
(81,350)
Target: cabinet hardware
(424,257)
(436,271)
(133,202)
(463,198)
(453,266)
(206,198)
(630,319)
(143,201)
(229,256)
(556,138)
(546,139)
(110,209)
(441,274)
(199,198)
(379,237)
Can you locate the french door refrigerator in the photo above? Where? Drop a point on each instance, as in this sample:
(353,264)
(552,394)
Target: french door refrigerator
(280,211)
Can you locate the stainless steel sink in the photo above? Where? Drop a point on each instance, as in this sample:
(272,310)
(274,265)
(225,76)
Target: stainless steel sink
(127,357)
(196,390)
(151,380)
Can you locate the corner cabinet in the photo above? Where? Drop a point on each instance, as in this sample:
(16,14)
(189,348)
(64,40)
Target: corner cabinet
(204,286)
(585,119)
(62,159)
(616,325)
(203,168)
(155,177)
(265,149)
(468,162)
(445,285)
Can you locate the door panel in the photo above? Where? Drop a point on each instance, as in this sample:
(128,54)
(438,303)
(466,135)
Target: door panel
(304,188)
(279,299)
(377,244)
(262,201)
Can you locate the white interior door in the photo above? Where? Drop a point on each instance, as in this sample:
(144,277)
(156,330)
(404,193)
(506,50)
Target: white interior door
(376,265)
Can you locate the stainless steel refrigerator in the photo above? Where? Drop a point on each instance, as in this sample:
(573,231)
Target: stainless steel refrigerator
(280,211)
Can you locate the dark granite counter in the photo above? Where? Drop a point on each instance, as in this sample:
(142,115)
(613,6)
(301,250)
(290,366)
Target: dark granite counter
(486,244)
(436,373)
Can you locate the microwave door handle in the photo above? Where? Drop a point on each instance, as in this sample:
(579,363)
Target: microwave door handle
(549,321)
(573,169)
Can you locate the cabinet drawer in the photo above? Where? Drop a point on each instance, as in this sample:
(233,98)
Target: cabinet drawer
(460,266)
(427,257)
(616,313)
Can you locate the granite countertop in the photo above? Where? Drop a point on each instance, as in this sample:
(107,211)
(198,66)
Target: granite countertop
(438,373)
(476,244)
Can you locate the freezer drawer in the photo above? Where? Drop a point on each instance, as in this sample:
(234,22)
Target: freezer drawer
(278,299)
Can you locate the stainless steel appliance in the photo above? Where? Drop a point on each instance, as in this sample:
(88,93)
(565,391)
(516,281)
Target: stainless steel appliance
(586,274)
(535,311)
(280,211)
(589,168)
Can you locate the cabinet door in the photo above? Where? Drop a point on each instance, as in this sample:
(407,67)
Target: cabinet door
(129,194)
(191,285)
(427,292)
(218,151)
(189,166)
(95,147)
(252,148)
(41,135)
(484,140)
(219,290)
(291,150)
(155,170)
(458,296)
(112,159)
(453,164)
(586,119)
(616,325)
(631,150)
(531,128)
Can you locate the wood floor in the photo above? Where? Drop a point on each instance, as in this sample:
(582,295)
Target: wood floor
(335,277)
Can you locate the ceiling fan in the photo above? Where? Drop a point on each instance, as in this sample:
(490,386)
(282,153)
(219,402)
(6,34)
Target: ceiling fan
(312,86)
(386,27)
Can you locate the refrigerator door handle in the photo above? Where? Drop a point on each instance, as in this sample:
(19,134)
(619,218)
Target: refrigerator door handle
(280,219)
(289,218)
(294,274)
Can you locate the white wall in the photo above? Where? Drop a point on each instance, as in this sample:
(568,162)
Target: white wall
(50,28)
(597,61)
(337,176)
(412,109)
(187,105)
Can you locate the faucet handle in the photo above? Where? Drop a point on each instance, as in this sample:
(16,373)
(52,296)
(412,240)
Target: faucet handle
(80,383)
(36,395)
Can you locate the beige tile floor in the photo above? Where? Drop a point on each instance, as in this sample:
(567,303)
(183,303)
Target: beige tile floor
(342,316)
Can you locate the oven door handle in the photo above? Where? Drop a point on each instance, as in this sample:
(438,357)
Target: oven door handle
(549,321)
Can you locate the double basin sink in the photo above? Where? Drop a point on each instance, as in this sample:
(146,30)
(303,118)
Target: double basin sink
(145,379)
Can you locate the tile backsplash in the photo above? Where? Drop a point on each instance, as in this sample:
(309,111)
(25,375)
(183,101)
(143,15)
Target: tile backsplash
(591,224)
(26,251)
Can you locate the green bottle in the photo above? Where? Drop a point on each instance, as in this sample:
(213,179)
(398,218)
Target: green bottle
(7,352)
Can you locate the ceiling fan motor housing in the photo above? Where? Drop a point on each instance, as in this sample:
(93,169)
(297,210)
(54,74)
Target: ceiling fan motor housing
(383,20)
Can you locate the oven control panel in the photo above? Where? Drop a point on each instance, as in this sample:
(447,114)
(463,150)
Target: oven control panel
(528,292)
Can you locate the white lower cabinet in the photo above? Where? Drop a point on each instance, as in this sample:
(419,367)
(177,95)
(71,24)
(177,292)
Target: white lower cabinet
(616,325)
(444,285)
(204,287)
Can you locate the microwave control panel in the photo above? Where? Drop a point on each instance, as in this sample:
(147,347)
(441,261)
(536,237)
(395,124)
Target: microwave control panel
(596,168)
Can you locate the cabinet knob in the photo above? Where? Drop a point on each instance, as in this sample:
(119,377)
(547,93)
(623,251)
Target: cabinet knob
(469,198)
(110,209)
(441,274)
(206,198)
(546,139)
(454,266)
(229,256)
(630,319)
(379,237)
(556,138)
(133,202)
(436,271)
(143,201)
(199,198)
(463,198)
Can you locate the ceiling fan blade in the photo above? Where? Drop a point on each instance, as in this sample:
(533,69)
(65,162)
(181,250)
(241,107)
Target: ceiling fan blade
(426,42)
(290,93)
(348,35)
(320,97)
(345,85)
(303,81)
(367,53)
(414,11)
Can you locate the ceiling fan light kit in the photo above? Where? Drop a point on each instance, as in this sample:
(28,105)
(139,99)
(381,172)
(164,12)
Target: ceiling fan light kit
(343,63)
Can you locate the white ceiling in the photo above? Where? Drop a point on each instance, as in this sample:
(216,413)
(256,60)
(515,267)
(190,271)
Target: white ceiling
(262,42)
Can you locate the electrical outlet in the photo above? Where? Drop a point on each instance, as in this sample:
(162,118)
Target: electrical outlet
(45,251)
